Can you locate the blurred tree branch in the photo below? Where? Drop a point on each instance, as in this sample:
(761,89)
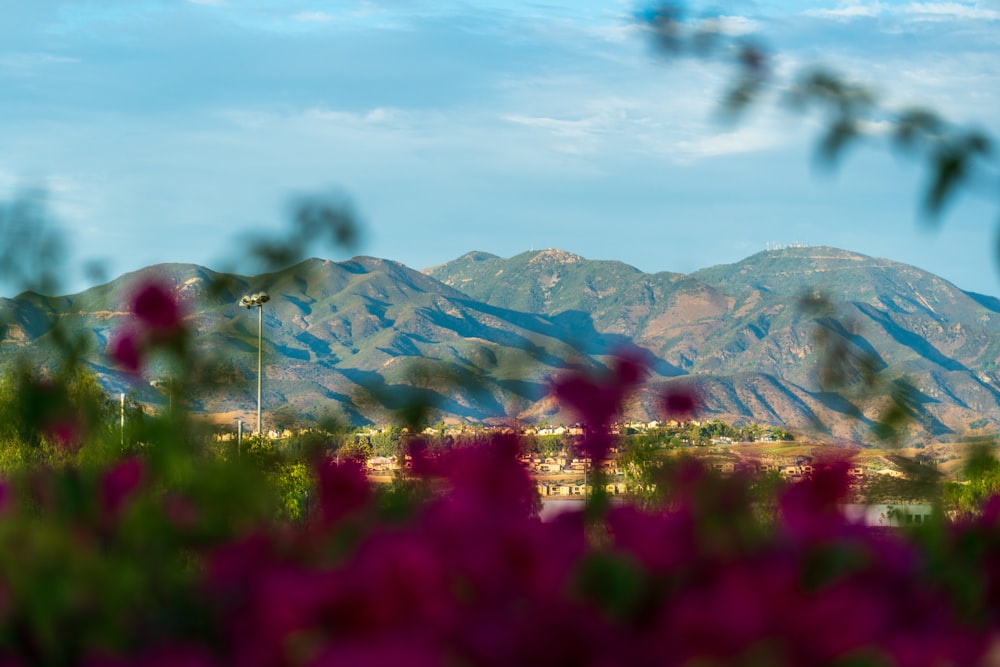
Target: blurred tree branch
(31,249)
(956,157)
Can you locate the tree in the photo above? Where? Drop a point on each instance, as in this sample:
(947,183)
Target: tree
(386,442)
(55,420)
(981,482)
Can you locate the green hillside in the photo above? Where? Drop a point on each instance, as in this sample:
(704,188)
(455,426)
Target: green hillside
(480,337)
(762,318)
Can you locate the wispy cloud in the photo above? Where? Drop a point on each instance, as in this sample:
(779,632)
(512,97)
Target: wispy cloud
(743,140)
(27,63)
(924,11)
(944,11)
(560,126)
(734,26)
(375,116)
(611,119)
(846,11)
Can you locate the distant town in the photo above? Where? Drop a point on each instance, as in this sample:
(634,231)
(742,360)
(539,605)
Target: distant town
(879,482)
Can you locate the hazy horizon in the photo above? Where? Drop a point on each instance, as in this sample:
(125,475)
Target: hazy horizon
(425,269)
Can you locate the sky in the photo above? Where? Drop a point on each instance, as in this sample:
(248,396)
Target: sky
(168,130)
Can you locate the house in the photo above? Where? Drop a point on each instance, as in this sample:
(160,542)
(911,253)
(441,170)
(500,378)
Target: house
(888,515)
(381,464)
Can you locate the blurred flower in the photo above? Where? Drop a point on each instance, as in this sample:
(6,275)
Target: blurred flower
(809,507)
(179,511)
(467,574)
(119,482)
(5,496)
(598,400)
(126,351)
(343,489)
(67,430)
(157,323)
(680,402)
(156,307)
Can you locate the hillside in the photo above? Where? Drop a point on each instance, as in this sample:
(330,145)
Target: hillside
(480,337)
(744,328)
(356,338)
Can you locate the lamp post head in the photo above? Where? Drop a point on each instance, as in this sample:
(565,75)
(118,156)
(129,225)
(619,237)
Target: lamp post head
(255,300)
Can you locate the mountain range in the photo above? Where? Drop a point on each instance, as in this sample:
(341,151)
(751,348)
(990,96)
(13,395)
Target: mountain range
(810,338)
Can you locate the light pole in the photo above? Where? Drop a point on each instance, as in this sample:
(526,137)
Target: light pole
(239,439)
(257,301)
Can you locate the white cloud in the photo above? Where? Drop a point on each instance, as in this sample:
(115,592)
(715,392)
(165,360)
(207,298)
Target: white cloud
(734,26)
(381,115)
(558,126)
(846,11)
(575,137)
(611,117)
(743,140)
(313,17)
(941,11)
(620,32)
(640,127)
(376,116)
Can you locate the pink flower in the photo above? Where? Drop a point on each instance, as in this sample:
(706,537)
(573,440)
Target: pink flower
(343,489)
(180,511)
(809,508)
(390,652)
(66,430)
(178,655)
(661,542)
(598,400)
(680,402)
(156,308)
(126,351)
(119,483)
(5,496)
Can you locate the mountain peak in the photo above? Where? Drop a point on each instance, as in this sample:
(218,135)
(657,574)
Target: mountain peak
(554,256)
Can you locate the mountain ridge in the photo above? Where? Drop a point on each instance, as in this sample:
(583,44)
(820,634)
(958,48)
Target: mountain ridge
(358,336)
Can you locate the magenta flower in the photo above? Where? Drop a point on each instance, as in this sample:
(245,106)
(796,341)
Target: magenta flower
(597,400)
(158,323)
(5,496)
(67,430)
(125,350)
(156,308)
(180,511)
(343,490)
(809,508)
(680,402)
(119,483)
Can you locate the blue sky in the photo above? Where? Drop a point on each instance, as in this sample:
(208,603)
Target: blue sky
(163,130)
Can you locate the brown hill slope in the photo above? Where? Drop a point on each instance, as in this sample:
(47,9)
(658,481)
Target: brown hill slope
(364,337)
